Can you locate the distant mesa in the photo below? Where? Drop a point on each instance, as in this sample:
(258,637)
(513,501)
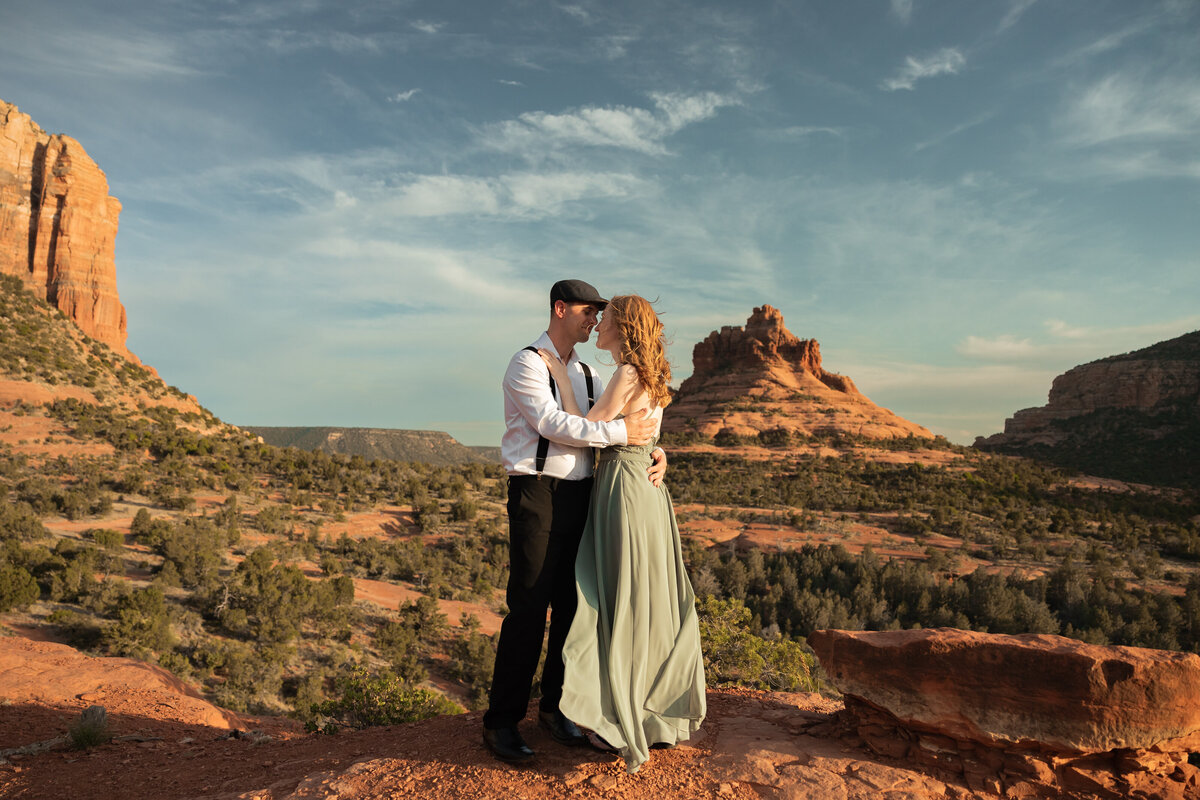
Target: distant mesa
(428,447)
(762,377)
(1134,416)
(58,226)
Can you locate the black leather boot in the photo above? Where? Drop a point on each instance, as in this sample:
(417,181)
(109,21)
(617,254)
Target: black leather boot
(561,729)
(507,745)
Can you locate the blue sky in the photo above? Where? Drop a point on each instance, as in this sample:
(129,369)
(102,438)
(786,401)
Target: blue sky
(349,213)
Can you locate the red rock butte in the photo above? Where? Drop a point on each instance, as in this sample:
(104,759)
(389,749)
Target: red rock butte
(762,377)
(58,226)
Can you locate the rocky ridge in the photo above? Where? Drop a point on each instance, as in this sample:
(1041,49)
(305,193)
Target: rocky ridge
(762,377)
(429,447)
(58,226)
(1134,416)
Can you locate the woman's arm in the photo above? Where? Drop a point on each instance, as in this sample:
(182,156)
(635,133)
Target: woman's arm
(617,395)
(562,381)
(611,403)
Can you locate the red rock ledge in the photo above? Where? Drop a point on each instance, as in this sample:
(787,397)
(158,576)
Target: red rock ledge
(1030,715)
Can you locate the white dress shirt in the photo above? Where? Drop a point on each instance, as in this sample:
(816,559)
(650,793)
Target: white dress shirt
(530,411)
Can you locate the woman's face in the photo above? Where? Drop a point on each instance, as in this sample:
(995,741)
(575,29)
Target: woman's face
(607,337)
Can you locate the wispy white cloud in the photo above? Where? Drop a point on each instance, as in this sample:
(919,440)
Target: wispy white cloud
(1108,42)
(1125,106)
(902,9)
(794,132)
(638,129)
(1131,125)
(129,54)
(578,12)
(999,348)
(1060,329)
(947,61)
(1015,9)
(529,195)
(1072,344)
(425,26)
(430,273)
(957,129)
(401,97)
(509,83)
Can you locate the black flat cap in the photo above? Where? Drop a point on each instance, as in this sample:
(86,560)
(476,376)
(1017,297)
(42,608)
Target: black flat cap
(576,291)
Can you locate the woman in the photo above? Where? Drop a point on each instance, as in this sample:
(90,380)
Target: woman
(634,671)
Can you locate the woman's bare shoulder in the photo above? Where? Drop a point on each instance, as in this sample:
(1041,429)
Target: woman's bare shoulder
(626,372)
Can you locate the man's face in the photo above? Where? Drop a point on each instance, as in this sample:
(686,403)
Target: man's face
(580,318)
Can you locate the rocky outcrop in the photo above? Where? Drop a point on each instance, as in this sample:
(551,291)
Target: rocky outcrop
(53,674)
(1046,713)
(427,447)
(58,226)
(1134,416)
(761,377)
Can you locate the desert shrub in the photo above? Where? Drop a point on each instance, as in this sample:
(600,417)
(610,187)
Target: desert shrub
(363,700)
(425,616)
(107,538)
(70,574)
(195,548)
(775,437)
(472,661)
(227,517)
(428,515)
(132,481)
(80,630)
(272,520)
(278,599)
(726,438)
(248,678)
(19,522)
(142,625)
(400,644)
(90,730)
(151,532)
(735,656)
(18,588)
(463,510)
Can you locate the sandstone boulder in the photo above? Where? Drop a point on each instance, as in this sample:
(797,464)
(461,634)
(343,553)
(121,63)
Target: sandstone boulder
(1039,691)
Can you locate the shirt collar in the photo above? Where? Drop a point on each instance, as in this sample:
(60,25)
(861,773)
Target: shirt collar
(546,342)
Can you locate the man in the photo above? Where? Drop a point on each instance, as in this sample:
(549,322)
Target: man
(549,462)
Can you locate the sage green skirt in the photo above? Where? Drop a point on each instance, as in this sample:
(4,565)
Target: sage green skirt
(634,670)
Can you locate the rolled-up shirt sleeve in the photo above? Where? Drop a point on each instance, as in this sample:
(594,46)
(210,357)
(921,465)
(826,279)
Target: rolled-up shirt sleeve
(527,387)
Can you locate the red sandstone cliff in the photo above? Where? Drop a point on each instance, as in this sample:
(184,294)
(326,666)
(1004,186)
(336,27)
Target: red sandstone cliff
(762,377)
(1134,416)
(58,226)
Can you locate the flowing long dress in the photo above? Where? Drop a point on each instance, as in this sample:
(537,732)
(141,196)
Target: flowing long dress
(634,670)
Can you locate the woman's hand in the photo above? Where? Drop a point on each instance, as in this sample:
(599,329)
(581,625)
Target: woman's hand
(557,368)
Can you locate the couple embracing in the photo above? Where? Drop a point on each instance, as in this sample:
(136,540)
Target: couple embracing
(593,539)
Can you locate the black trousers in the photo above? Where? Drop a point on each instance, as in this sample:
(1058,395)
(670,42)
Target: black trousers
(545,522)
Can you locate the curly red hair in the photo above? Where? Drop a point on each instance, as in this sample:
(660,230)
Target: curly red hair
(643,346)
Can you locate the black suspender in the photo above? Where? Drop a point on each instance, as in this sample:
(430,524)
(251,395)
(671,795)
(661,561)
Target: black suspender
(543,443)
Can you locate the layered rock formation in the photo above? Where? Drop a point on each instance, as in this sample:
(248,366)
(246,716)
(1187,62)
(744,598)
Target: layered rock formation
(1134,416)
(1045,714)
(761,377)
(427,447)
(58,226)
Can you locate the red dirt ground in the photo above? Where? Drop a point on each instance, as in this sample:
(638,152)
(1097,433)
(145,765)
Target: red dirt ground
(752,745)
